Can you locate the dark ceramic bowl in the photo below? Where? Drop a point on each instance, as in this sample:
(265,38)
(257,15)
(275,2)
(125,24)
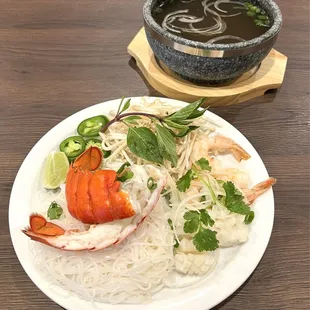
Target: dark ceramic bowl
(210,63)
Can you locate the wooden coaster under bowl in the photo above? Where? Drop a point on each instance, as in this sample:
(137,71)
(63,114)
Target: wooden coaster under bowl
(269,75)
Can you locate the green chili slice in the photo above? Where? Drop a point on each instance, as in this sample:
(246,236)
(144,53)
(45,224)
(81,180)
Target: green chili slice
(72,147)
(90,127)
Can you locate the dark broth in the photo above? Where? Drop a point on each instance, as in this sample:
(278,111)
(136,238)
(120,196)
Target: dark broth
(198,16)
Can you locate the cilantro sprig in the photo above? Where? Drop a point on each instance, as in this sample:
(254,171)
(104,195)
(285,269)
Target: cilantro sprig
(203,163)
(185,181)
(197,222)
(234,202)
(159,145)
(233,199)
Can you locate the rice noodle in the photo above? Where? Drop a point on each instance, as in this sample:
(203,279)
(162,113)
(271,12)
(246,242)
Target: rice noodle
(117,274)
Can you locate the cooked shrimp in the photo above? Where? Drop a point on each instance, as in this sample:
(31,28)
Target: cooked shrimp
(221,144)
(238,177)
(259,189)
(218,144)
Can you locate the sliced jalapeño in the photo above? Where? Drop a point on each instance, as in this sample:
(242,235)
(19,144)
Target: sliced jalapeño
(90,127)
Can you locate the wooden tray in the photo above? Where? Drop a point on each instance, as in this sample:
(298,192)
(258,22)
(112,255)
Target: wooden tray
(269,75)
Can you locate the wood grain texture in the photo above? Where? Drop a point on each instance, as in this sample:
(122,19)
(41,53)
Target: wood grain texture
(60,56)
(268,76)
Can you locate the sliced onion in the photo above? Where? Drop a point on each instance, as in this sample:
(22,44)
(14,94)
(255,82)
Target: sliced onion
(176,13)
(169,18)
(182,16)
(190,20)
(218,2)
(218,28)
(167,27)
(225,37)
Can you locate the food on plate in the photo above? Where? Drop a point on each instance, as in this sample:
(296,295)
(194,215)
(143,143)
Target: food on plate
(155,213)
(93,197)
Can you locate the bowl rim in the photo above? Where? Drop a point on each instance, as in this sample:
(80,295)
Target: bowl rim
(270,34)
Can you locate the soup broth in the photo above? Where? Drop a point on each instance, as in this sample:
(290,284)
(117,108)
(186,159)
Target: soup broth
(222,21)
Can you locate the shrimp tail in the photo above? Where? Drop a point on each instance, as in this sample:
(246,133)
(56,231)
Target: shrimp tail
(240,153)
(259,189)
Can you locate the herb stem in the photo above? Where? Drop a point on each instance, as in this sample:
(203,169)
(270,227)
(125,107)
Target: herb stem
(207,184)
(123,115)
(120,105)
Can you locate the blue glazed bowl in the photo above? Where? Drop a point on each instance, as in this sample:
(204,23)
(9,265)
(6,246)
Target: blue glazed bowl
(210,63)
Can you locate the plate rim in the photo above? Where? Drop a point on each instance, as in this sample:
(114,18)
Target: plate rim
(51,295)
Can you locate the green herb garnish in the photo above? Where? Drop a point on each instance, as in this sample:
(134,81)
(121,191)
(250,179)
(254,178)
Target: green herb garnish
(176,244)
(143,142)
(197,222)
(185,181)
(124,173)
(167,196)
(203,198)
(54,211)
(159,145)
(170,224)
(234,202)
(249,218)
(166,145)
(203,164)
(260,16)
(132,120)
(151,184)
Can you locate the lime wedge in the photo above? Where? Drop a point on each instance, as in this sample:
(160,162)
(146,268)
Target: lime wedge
(55,170)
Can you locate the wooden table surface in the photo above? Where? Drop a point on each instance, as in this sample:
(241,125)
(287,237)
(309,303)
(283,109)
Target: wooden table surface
(60,56)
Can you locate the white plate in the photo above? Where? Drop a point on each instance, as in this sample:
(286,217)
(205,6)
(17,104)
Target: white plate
(235,265)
